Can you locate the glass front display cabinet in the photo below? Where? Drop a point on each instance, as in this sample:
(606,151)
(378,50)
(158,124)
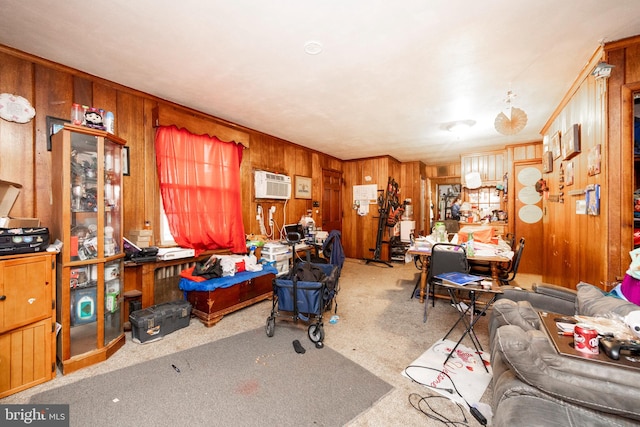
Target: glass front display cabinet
(87,218)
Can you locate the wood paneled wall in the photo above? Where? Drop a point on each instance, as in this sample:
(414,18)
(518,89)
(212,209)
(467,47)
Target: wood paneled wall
(52,89)
(276,155)
(620,179)
(360,232)
(576,246)
(589,248)
(411,176)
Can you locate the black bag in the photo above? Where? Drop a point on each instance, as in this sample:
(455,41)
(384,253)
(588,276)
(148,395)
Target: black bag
(306,272)
(209,270)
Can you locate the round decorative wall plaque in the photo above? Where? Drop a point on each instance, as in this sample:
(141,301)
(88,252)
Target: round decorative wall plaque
(14,108)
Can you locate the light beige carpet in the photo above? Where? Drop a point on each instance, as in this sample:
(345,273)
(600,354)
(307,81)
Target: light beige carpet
(380,328)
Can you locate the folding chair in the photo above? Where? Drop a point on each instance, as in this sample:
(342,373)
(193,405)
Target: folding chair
(445,258)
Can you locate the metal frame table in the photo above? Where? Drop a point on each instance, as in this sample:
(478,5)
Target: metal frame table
(469,324)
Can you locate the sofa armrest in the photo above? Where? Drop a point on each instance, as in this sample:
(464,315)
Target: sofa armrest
(544,297)
(594,302)
(555,291)
(509,312)
(600,386)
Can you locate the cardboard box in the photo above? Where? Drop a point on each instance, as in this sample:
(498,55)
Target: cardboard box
(9,192)
(141,233)
(140,239)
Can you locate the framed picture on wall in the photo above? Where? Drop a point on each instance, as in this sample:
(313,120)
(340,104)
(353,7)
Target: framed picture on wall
(592,193)
(571,142)
(125,161)
(54,124)
(302,187)
(593,160)
(555,145)
(568,174)
(547,162)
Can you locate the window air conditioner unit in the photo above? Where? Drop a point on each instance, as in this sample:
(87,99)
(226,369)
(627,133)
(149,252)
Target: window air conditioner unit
(272,185)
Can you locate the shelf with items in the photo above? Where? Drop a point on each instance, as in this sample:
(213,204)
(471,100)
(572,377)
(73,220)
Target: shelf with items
(87,190)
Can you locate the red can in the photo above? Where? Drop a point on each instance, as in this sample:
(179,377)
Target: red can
(585,339)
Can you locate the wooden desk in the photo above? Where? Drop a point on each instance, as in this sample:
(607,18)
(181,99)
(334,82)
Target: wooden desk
(424,253)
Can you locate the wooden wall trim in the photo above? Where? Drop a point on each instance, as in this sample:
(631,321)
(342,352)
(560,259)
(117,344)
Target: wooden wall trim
(383,157)
(164,115)
(620,44)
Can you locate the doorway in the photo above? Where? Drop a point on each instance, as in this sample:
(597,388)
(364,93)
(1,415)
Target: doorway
(331,200)
(447,194)
(528,214)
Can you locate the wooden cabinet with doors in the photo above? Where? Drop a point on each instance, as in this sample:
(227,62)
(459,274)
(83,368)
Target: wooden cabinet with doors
(87,218)
(489,165)
(27,321)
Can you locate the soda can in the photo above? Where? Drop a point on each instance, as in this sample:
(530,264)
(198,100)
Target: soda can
(585,339)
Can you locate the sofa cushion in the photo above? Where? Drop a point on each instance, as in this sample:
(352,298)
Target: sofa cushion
(591,301)
(600,386)
(533,411)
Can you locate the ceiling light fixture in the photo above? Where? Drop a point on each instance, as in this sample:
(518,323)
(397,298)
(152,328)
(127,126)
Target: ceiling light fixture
(459,126)
(512,120)
(313,47)
(602,70)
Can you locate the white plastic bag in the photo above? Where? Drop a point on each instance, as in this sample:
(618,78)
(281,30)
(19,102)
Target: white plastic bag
(634,267)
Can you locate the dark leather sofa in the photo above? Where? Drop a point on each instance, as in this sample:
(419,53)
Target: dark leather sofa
(533,385)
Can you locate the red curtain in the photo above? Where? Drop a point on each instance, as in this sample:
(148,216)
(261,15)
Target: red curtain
(200,187)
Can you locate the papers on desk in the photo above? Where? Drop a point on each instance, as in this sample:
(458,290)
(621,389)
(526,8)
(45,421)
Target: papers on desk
(489,250)
(460,279)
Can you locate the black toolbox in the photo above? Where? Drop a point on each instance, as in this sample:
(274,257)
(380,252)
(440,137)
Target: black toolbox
(23,240)
(153,323)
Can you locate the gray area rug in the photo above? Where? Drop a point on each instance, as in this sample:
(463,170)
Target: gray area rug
(247,379)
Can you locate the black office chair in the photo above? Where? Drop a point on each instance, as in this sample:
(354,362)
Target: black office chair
(507,274)
(445,258)
(510,238)
(510,274)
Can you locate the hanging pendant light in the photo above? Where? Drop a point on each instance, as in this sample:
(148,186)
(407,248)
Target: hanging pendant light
(513,121)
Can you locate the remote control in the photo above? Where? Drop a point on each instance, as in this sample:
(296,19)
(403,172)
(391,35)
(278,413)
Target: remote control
(613,346)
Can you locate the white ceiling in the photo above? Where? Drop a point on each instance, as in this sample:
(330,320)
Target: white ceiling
(389,79)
